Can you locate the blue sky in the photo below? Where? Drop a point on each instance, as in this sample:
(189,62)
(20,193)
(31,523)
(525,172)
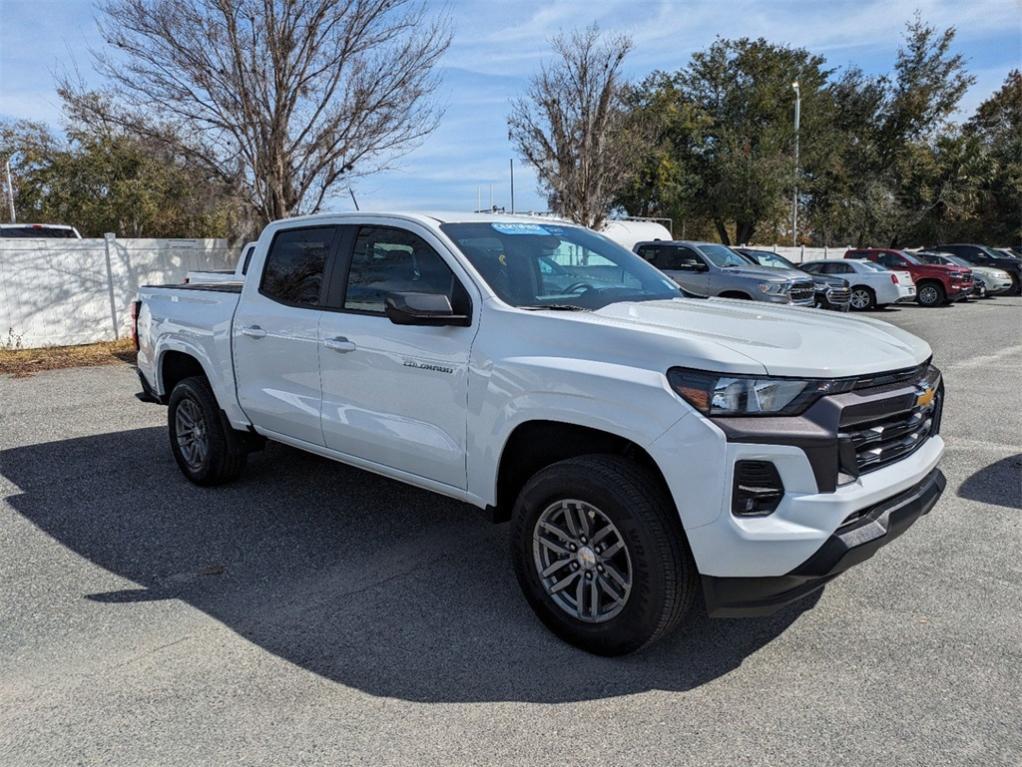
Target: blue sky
(498,45)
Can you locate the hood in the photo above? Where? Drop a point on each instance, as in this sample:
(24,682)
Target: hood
(767,273)
(829,279)
(783,340)
(991,273)
(937,270)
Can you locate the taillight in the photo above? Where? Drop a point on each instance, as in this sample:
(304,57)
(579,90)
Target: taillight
(136,307)
(894,278)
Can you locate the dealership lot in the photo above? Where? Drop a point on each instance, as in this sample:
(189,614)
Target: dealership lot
(316,614)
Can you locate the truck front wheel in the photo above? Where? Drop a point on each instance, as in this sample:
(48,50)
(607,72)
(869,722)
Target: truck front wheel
(207,450)
(600,554)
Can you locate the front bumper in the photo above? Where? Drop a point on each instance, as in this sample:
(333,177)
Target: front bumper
(858,539)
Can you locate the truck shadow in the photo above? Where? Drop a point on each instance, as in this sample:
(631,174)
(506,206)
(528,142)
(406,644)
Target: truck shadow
(989,484)
(359,579)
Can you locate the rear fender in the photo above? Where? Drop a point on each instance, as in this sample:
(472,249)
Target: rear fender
(219,372)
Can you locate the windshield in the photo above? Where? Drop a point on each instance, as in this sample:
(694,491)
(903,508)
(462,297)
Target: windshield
(35,230)
(910,258)
(722,255)
(533,265)
(870,266)
(770,260)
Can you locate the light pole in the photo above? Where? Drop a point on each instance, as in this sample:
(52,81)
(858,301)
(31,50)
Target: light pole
(794,197)
(10,190)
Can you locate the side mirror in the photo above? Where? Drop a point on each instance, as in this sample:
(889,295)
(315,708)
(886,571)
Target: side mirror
(423,309)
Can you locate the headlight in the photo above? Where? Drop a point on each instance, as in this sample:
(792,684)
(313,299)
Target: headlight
(775,288)
(725,394)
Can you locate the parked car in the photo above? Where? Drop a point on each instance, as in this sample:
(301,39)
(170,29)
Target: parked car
(936,284)
(831,292)
(872,286)
(708,269)
(980,255)
(237,274)
(644,445)
(994,281)
(59,231)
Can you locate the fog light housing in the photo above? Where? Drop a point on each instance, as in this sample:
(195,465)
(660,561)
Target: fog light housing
(757,489)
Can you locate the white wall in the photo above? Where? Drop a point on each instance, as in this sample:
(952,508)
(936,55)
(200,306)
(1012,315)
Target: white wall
(803,253)
(56,292)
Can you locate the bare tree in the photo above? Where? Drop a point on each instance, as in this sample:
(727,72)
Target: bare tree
(287,99)
(572,127)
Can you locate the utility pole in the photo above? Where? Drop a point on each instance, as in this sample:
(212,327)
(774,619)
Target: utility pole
(10,190)
(479,198)
(512,185)
(794,197)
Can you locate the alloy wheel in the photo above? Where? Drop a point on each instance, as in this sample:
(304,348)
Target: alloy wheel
(582,561)
(928,295)
(860,299)
(190,431)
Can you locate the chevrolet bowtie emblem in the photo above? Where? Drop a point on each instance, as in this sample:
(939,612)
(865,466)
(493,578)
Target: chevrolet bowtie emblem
(926,397)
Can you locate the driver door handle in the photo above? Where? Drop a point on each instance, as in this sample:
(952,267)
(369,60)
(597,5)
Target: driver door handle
(253,331)
(339,344)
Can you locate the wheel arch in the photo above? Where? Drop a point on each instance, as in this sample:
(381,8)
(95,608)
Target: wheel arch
(738,294)
(535,444)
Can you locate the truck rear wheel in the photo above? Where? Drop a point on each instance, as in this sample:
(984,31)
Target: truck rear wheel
(207,450)
(600,554)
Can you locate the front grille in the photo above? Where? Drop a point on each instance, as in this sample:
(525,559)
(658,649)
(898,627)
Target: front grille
(802,291)
(894,377)
(839,295)
(893,429)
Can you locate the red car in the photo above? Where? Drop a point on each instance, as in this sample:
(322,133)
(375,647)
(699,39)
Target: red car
(936,284)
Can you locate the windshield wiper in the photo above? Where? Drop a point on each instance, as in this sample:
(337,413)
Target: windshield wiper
(553,307)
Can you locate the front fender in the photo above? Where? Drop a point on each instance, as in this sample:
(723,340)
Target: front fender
(635,404)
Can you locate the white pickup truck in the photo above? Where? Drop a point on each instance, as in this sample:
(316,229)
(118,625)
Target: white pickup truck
(644,445)
(237,274)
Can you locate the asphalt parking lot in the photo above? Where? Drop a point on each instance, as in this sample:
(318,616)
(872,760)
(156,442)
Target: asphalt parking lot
(316,614)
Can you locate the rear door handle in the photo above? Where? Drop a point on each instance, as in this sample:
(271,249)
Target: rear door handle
(253,331)
(339,344)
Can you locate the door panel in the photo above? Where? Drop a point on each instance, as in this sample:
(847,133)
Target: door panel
(396,394)
(276,335)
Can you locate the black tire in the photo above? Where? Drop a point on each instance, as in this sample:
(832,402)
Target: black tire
(1016,285)
(224,456)
(664,580)
(864,297)
(931,294)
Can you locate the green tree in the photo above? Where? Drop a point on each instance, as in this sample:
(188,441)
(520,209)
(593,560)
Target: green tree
(997,127)
(725,150)
(101,181)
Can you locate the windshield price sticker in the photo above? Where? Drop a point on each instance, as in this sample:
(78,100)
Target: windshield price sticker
(532,229)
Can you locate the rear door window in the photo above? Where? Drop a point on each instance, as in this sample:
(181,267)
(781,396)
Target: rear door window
(678,258)
(293,273)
